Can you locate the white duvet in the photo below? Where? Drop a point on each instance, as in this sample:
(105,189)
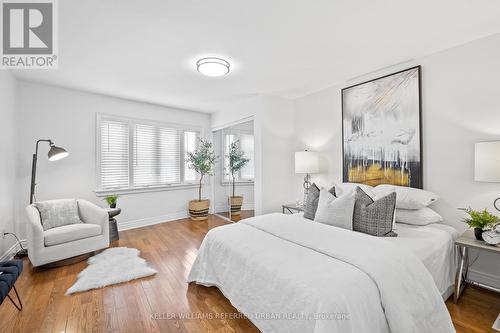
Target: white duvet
(434,245)
(288,274)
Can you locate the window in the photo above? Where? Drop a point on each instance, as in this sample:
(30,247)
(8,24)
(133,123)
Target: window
(114,154)
(190,142)
(156,155)
(247,146)
(136,154)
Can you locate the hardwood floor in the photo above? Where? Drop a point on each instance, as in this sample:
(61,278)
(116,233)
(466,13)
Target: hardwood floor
(236,218)
(157,304)
(475,311)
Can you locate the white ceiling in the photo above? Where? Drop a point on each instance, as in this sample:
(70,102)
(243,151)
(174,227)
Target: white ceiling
(146,50)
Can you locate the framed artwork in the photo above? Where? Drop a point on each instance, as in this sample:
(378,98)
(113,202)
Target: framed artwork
(381,130)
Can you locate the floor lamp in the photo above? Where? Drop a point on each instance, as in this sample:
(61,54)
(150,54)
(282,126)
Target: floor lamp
(55,153)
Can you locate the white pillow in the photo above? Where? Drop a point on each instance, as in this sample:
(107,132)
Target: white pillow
(341,188)
(334,211)
(422,216)
(58,213)
(407,197)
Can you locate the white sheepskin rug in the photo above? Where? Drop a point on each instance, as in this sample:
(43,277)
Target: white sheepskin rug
(114,265)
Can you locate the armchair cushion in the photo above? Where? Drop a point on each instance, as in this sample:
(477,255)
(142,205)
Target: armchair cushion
(70,233)
(57,213)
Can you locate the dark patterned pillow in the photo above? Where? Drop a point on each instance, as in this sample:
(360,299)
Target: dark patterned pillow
(374,217)
(311,204)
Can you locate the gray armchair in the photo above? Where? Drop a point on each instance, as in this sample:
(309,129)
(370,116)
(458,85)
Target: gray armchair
(46,246)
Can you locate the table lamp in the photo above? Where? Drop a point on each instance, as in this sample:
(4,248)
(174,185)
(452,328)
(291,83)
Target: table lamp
(306,162)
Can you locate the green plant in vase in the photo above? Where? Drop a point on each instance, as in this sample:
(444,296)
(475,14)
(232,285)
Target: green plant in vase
(480,220)
(111,200)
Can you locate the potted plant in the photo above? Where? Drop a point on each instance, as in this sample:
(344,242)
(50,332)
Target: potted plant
(480,220)
(237,161)
(202,160)
(111,200)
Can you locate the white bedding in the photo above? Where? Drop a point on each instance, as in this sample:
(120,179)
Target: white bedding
(434,245)
(310,277)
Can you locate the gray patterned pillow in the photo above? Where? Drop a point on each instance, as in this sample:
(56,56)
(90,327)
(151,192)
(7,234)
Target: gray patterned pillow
(311,204)
(374,217)
(56,213)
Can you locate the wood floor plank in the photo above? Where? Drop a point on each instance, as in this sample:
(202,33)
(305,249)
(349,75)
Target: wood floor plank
(165,302)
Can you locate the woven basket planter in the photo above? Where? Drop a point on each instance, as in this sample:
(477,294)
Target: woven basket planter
(198,210)
(236,203)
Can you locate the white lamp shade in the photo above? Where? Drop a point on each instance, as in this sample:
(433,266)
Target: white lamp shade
(306,162)
(487,162)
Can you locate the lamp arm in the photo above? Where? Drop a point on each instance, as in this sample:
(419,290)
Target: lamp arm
(42,140)
(496,204)
(33,168)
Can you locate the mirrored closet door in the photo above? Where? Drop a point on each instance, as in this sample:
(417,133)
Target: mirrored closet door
(235,172)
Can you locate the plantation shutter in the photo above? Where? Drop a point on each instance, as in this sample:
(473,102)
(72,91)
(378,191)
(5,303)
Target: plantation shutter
(114,166)
(247,146)
(156,155)
(190,139)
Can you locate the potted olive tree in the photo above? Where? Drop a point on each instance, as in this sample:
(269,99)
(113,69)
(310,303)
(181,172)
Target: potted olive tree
(202,160)
(237,161)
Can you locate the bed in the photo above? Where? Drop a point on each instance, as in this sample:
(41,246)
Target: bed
(434,246)
(289,274)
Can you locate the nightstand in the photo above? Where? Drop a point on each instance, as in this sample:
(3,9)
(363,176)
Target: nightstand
(463,244)
(292,208)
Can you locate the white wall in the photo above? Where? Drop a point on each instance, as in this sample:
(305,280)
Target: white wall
(68,117)
(8,157)
(460,106)
(274,142)
(274,147)
(232,113)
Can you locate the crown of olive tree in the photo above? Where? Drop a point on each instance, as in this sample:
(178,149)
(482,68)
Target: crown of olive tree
(202,160)
(237,160)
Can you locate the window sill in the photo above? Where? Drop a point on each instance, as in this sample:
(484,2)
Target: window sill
(238,182)
(145,189)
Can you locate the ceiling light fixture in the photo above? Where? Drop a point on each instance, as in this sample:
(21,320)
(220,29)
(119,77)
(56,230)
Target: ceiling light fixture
(212,66)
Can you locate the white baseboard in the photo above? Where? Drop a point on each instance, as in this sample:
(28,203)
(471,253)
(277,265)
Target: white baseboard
(126,225)
(9,254)
(225,207)
(484,278)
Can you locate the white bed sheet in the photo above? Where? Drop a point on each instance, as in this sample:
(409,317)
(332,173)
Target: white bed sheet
(434,245)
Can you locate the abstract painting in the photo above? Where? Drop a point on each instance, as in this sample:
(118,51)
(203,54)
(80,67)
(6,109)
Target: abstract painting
(381,130)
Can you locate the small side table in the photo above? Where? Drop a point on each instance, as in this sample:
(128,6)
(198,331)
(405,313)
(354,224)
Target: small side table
(113,227)
(463,244)
(292,208)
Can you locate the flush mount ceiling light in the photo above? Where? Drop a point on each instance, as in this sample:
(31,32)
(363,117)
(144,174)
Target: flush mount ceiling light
(212,66)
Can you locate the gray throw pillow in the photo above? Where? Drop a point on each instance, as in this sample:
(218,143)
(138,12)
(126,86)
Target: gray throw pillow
(311,204)
(56,213)
(374,217)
